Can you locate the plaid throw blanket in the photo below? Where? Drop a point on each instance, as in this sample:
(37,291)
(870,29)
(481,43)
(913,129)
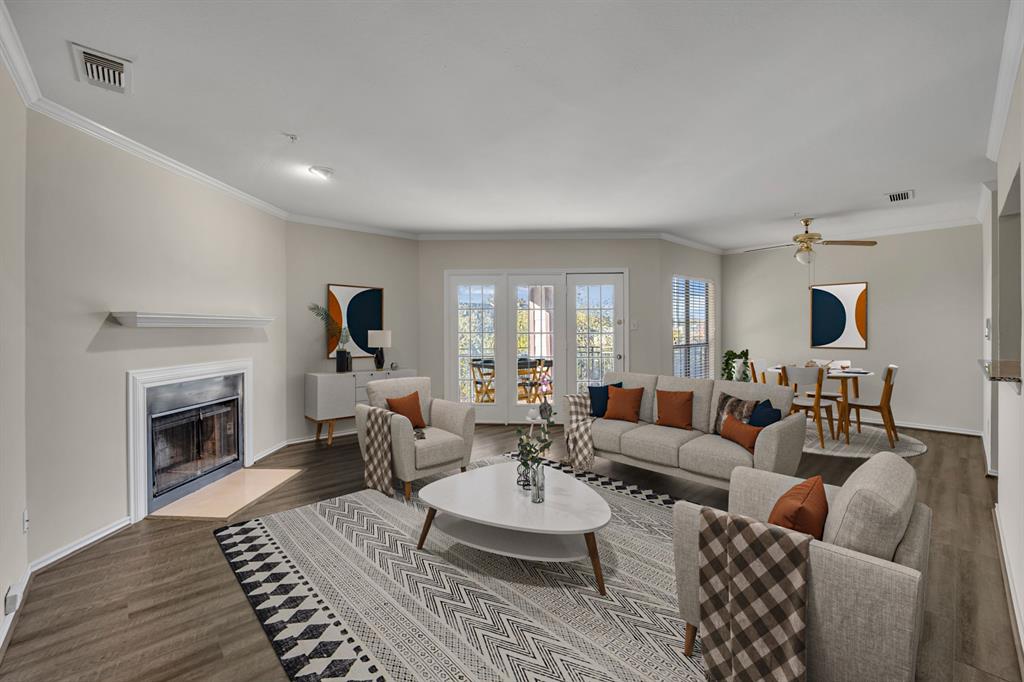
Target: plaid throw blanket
(753,595)
(579,441)
(377,457)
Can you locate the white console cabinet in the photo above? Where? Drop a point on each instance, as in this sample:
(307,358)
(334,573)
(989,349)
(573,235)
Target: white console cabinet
(333,395)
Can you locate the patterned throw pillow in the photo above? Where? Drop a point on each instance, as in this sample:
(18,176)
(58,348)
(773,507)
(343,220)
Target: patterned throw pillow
(732,406)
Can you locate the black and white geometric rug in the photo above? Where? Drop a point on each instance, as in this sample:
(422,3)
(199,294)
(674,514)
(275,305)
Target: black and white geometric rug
(343,594)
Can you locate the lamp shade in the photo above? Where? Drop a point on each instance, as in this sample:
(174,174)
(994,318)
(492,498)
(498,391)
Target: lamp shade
(379,338)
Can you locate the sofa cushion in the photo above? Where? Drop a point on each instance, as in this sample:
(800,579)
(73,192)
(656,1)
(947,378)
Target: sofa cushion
(409,407)
(802,508)
(624,403)
(674,408)
(378,392)
(438,447)
(633,380)
(713,456)
(740,433)
(781,397)
(871,511)
(730,406)
(607,433)
(599,399)
(701,397)
(764,414)
(657,444)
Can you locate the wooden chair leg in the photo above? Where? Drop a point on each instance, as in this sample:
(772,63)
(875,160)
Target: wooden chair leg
(408,490)
(892,425)
(858,418)
(821,431)
(890,428)
(691,634)
(831,422)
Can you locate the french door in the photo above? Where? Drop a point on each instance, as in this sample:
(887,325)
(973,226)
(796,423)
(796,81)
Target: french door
(515,340)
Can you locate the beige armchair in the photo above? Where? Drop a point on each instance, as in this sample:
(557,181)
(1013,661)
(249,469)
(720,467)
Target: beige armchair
(865,605)
(449,432)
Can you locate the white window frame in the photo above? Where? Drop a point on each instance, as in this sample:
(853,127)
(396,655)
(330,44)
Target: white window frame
(712,323)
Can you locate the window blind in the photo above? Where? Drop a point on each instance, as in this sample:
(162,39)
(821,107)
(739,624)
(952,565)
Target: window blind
(693,325)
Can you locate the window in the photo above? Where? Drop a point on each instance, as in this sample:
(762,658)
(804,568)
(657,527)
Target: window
(475,339)
(693,312)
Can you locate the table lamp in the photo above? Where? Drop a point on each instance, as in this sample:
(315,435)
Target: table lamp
(379,339)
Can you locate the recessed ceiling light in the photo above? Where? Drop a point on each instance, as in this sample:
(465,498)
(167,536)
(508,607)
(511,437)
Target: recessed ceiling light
(322,172)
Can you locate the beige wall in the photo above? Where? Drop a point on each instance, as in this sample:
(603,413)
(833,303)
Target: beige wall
(108,231)
(317,256)
(13,542)
(924,295)
(651,264)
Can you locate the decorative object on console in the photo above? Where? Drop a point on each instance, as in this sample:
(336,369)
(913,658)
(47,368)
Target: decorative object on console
(839,315)
(359,309)
(335,330)
(379,339)
(729,360)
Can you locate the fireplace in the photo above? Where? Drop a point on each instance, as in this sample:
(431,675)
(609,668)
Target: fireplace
(195,435)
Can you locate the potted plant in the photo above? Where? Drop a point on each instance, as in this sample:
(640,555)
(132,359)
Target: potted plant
(729,362)
(530,451)
(342,358)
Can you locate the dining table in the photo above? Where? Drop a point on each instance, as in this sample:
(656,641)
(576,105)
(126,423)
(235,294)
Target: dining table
(843,376)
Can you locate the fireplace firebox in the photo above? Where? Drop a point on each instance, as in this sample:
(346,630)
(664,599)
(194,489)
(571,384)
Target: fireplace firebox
(195,435)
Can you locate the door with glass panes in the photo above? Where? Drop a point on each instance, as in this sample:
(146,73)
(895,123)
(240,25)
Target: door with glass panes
(537,352)
(596,340)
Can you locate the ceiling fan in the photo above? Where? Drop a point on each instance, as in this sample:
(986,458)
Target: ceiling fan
(807,239)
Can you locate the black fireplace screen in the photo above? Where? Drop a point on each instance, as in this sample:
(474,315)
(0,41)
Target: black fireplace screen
(193,441)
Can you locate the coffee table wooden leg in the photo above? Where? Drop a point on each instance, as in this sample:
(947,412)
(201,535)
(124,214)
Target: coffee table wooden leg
(426,527)
(595,561)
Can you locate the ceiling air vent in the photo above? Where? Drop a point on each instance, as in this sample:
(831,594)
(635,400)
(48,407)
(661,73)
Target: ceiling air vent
(905,195)
(102,69)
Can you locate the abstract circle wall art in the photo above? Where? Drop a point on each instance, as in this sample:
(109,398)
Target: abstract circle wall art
(839,315)
(359,309)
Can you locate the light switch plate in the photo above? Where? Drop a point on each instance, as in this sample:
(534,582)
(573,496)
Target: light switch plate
(634,325)
(10,602)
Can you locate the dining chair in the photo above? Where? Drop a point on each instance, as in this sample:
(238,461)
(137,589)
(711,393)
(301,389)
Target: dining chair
(757,370)
(483,381)
(883,407)
(835,365)
(800,378)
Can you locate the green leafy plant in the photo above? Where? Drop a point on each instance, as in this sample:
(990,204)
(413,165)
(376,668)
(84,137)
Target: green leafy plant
(330,324)
(531,449)
(729,358)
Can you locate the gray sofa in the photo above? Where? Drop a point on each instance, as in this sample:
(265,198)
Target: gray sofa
(699,455)
(448,441)
(866,579)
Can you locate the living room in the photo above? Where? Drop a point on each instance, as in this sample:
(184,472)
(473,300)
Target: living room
(600,243)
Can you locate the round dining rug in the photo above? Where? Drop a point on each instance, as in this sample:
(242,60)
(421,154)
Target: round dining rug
(870,441)
(343,594)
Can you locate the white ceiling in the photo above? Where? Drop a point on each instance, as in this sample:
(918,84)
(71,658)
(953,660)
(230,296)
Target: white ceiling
(710,121)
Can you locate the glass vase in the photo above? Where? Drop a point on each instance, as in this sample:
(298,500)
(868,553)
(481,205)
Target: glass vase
(537,483)
(523,475)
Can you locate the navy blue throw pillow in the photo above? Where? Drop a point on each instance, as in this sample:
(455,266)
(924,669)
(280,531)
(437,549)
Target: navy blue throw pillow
(599,399)
(764,414)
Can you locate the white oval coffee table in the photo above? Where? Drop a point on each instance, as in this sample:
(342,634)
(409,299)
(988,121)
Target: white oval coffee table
(485,509)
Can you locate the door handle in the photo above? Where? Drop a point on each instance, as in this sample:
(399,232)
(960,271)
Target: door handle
(618,356)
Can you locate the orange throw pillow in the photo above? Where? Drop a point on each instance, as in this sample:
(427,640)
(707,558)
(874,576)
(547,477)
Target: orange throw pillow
(409,407)
(738,432)
(624,404)
(802,508)
(675,409)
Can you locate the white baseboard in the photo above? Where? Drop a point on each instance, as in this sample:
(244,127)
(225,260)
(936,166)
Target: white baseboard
(81,543)
(301,439)
(927,427)
(42,562)
(1013,596)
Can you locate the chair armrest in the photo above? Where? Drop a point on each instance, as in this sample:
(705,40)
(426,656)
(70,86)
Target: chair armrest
(856,603)
(403,452)
(685,531)
(457,418)
(780,445)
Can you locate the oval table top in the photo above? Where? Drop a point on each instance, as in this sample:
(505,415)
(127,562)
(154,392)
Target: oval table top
(489,495)
(854,373)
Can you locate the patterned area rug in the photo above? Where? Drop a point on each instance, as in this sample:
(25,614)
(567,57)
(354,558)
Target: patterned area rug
(871,440)
(343,594)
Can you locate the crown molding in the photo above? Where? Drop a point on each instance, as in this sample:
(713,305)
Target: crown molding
(518,235)
(985,192)
(70,118)
(1009,63)
(12,54)
(325,222)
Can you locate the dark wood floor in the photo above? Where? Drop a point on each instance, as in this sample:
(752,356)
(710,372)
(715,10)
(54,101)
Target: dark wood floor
(157,601)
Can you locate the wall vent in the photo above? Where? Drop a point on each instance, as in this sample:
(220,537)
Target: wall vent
(101,69)
(905,195)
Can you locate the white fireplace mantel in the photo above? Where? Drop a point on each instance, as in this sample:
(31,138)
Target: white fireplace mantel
(133,318)
(138,419)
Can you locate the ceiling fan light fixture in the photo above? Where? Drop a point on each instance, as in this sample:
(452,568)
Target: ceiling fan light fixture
(804,255)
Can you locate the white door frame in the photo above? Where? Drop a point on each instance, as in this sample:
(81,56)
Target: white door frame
(451,391)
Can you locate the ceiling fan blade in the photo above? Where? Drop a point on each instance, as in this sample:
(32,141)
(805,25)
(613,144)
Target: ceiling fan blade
(833,242)
(765,248)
